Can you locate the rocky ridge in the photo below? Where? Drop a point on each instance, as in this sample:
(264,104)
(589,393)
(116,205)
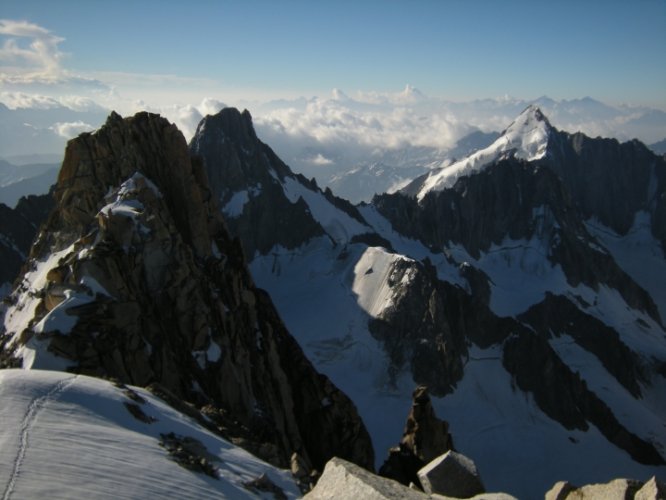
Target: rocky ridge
(134,276)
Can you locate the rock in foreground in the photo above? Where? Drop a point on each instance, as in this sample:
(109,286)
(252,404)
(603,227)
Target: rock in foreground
(452,475)
(618,489)
(342,479)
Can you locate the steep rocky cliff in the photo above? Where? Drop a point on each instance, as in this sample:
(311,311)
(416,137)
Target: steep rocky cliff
(18,228)
(135,277)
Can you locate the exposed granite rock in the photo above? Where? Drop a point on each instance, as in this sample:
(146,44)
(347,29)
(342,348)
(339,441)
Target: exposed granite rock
(453,475)
(342,479)
(652,490)
(559,491)
(164,295)
(618,489)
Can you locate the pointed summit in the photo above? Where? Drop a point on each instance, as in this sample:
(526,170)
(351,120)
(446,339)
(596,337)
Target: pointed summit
(526,138)
(528,134)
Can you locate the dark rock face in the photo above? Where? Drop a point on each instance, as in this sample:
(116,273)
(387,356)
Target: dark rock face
(563,396)
(167,297)
(416,331)
(18,228)
(247,178)
(607,179)
(425,438)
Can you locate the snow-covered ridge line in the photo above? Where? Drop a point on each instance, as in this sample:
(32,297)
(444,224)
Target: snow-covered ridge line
(526,138)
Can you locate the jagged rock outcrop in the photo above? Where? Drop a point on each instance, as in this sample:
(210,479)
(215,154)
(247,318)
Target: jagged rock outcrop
(135,277)
(425,438)
(18,228)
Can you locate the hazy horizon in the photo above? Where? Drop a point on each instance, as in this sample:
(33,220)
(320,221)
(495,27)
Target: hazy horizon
(326,76)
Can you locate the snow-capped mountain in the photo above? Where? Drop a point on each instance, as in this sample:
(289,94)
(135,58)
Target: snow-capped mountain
(494,280)
(134,276)
(394,169)
(526,138)
(72,436)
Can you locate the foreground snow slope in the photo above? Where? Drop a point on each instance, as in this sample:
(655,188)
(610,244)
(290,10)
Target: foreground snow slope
(71,436)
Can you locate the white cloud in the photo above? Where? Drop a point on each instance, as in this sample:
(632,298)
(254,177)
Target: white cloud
(409,95)
(320,160)
(71,129)
(16,100)
(210,106)
(346,123)
(30,50)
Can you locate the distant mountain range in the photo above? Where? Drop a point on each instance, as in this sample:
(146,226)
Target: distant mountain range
(345,142)
(23,180)
(659,147)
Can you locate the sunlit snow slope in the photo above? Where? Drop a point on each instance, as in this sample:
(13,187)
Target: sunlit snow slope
(69,436)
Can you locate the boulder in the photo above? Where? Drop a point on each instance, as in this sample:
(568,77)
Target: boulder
(652,490)
(618,489)
(342,479)
(453,475)
(560,491)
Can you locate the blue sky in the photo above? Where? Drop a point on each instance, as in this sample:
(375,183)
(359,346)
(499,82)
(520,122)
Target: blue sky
(458,50)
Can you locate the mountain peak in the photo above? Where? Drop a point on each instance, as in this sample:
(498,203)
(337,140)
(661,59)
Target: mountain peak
(528,134)
(531,113)
(231,123)
(526,138)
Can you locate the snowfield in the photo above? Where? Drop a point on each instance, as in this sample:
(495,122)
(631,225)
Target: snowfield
(70,436)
